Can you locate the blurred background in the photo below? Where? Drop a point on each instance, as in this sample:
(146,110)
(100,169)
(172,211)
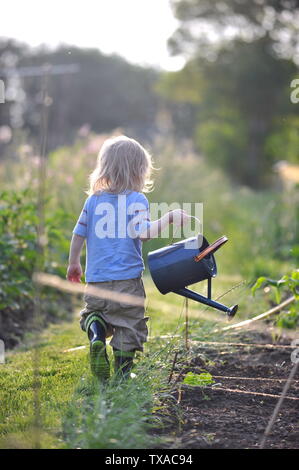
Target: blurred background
(207,86)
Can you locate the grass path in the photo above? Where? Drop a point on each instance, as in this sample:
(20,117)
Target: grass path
(73,411)
(58,371)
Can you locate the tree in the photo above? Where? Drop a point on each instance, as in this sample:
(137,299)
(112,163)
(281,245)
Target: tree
(106,93)
(206,25)
(244,70)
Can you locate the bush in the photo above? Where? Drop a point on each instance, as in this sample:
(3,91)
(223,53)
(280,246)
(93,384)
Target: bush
(18,259)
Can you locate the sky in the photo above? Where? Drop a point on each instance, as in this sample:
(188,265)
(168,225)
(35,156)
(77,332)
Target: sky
(135,29)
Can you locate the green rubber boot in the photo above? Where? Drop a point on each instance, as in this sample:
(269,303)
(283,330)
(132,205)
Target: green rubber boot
(123,362)
(99,363)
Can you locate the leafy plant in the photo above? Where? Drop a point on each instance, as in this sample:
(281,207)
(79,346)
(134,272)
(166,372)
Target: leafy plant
(288,284)
(201,380)
(18,259)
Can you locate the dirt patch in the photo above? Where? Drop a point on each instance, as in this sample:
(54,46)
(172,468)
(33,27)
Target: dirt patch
(15,322)
(234,412)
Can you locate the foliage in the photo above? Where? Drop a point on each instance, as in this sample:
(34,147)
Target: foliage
(201,380)
(251,20)
(222,140)
(19,255)
(283,143)
(288,284)
(115,416)
(243,113)
(18,247)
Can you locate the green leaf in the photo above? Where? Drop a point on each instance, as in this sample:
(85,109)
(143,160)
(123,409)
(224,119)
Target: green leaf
(277,295)
(259,282)
(200,380)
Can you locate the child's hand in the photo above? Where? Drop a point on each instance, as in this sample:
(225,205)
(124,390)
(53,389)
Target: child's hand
(179,217)
(74,272)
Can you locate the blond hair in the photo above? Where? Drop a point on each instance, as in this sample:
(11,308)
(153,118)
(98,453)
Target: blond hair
(122,164)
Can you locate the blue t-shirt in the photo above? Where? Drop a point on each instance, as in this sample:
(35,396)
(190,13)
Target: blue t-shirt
(111,224)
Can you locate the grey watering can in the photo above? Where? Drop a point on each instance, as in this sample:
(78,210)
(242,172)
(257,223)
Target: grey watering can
(186,262)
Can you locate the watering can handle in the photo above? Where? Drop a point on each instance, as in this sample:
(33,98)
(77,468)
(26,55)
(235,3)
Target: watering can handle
(211,248)
(178,227)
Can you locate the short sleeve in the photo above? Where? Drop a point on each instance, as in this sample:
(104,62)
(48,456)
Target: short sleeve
(141,213)
(81,225)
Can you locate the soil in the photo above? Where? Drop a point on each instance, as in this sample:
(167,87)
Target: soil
(222,415)
(15,322)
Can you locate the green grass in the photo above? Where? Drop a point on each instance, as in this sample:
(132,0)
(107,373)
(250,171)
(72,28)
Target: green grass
(74,410)
(58,371)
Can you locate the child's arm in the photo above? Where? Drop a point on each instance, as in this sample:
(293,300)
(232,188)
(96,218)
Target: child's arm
(178,217)
(74,270)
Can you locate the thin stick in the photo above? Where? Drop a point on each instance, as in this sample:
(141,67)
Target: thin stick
(266,379)
(256,345)
(279,405)
(245,392)
(172,367)
(186,324)
(39,264)
(262,315)
(179,395)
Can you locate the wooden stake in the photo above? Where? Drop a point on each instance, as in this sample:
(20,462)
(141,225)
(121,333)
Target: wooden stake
(279,404)
(173,365)
(186,324)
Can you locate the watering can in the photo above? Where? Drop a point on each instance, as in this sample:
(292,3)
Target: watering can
(186,262)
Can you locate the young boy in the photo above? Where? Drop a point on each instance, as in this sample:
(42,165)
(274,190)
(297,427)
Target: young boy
(114,222)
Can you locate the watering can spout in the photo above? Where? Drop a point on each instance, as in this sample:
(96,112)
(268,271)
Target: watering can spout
(230,311)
